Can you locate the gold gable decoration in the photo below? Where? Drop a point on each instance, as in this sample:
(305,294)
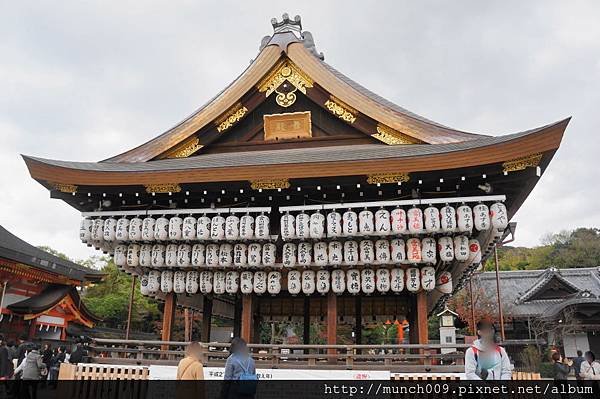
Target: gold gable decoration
(231,117)
(393,137)
(163,188)
(186,149)
(285,70)
(269,184)
(386,178)
(64,188)
(341,110)
(522,163)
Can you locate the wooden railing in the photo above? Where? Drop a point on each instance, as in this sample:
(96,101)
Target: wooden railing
(400,358)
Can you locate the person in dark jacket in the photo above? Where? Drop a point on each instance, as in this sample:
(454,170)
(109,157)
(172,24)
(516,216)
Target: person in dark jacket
(239,367)
(577,364)
(561,367)
(58,358)
(22,347)
(78,354)
(6,363)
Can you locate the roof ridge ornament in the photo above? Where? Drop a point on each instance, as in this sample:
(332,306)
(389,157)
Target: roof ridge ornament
(287,25)
(293,27)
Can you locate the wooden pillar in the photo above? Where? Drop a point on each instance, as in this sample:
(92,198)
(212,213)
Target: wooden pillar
(358,318)
(168,316)
(130,308)
(237,316)
(207,306)
(422,322)
(306,322)
(256,319)
(331,324)
(246,327)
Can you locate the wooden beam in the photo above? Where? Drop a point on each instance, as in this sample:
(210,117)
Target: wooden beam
(306,322)
(237,316)
(128,329)
(331,324)
(168,316)
(422,323)
(207,306)
(246,328)
(358,318)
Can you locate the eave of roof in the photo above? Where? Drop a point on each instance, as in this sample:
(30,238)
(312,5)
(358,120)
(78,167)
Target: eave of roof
(15,249)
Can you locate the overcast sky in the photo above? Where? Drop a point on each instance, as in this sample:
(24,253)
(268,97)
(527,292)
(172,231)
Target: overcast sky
(87,80)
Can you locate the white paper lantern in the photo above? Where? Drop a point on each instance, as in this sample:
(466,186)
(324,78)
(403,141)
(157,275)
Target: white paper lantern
(308,282)
(317,225)
(464,218)
(260,282)
(158,255)
(246,286)
(85,230)
(474,252)
(110,229)
(323,279)
(432,219)
(415,220)
(166,281)
(120,256)
(382,278)
(148,224)
(349,223)
(184,255)
(367,252)
(261,227)
(232,282)
(161,229)
(198,255)
(144,284)
(240,255)
(428,250)
(335,253)
(191,282)
(428,278)
(171,255)
(399,225)
(499,216)
(413,281)
(448,219)
(274,282)
(206,281)
(304,254)
(351,253)
(175,228)
(122,232)
(302,225)
(461,248)
(217,228)
(481,217)
(338,281)
(133,255)
(232,227)
(398,254)
(98,230)
(320,254)
(288,226)
(368,281)
(446,249)
(268,254)
(153,281)
(254,254)
(179,282)
(334,224)
(288,254)
(382,252)
(203,228)
(189,228)
(145,255)
(219,282)
(353,281)
(444,283)
(247,227)
(413,250)
(225,255)
(212,255)
(397,280)
(366,224)
(383,225)
(294,282)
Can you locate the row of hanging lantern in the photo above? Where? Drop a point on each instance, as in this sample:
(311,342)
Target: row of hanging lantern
(431,220)
(190,228)
(304,254)
(307,282)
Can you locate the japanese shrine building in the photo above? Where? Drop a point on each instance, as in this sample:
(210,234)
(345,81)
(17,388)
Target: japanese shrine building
(298,194)
(39,291)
